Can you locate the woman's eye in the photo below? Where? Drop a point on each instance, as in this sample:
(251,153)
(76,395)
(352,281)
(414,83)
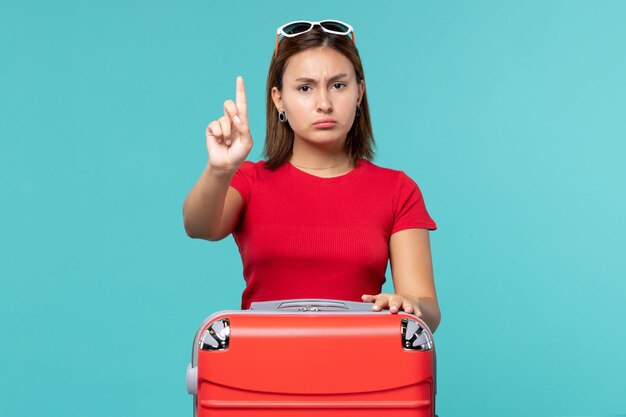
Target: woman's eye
(304,88)
(339,85)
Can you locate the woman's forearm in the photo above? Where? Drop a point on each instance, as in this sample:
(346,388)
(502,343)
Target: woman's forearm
(202,210)
(430,312)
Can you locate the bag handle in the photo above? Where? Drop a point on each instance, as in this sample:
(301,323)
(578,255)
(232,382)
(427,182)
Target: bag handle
(310,304)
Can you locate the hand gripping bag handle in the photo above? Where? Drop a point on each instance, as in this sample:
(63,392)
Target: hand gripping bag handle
(310,305)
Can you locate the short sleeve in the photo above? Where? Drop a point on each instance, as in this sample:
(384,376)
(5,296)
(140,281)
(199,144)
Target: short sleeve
(409,208)
(242,180)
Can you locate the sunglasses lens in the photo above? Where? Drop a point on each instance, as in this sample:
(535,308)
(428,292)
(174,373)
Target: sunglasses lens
(335,26)
(296,28)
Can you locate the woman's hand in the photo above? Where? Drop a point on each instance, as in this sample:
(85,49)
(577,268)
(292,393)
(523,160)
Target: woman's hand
(228,139)
(394,302)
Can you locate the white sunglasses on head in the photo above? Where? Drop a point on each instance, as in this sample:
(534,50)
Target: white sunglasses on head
(298,27)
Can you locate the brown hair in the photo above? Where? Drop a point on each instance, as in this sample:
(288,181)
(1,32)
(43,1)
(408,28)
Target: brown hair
(279,136)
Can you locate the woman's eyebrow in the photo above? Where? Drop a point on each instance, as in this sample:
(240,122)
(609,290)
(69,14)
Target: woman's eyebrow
(313,81)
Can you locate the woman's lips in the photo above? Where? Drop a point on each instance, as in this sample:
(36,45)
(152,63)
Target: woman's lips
(325,124)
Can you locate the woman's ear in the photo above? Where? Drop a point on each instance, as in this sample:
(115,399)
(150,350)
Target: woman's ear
(361,92)
(278,99)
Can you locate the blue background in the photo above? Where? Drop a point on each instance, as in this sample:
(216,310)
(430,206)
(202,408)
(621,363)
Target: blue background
(509,115)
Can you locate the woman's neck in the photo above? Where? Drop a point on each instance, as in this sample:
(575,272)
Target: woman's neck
(321,162)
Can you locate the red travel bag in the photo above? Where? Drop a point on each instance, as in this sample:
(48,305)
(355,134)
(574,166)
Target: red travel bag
(302,358)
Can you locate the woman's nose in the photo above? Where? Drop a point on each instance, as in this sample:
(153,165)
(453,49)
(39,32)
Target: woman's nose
(324,103)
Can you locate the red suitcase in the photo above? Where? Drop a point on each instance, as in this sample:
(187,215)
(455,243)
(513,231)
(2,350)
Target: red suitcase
(303,358)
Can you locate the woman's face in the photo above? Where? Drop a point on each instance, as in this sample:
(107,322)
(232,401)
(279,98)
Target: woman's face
(320,95)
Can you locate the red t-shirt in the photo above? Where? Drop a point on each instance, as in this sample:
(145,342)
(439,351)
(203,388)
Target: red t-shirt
(302,236)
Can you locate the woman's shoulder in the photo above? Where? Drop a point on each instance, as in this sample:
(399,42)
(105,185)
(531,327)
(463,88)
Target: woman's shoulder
(251,167)
(382,172)
(254,172)
(247,175)
(394,180)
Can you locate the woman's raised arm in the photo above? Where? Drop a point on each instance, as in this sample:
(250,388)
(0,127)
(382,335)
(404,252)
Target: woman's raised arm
(211,209)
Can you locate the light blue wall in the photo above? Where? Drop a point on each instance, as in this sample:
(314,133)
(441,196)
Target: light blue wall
(510,116)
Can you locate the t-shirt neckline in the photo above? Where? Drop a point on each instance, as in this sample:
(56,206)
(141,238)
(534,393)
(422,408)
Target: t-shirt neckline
(356,171)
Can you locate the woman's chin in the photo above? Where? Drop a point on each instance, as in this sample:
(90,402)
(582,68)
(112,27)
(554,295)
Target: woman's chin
(323,137)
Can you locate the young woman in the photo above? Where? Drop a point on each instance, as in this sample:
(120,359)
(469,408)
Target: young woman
(316,219)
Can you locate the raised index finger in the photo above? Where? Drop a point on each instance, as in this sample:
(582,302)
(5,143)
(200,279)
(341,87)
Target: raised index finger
(240,98)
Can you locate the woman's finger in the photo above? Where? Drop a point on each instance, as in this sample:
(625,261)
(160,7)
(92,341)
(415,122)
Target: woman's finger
(230,109)
(216,130)
(240,98)
(382,300)
(395,302)
(225,124)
